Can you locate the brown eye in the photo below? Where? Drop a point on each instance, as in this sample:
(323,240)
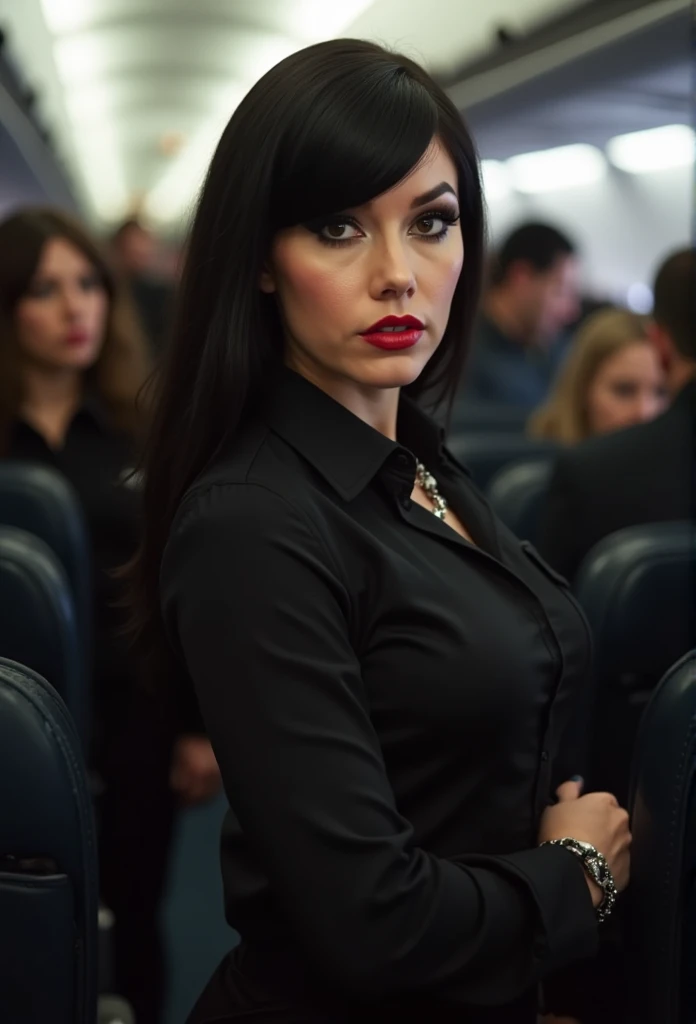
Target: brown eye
(426,224)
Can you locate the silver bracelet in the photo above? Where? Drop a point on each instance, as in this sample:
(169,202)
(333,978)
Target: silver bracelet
(596,866)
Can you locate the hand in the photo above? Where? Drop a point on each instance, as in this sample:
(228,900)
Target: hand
(597,819)
(194,776)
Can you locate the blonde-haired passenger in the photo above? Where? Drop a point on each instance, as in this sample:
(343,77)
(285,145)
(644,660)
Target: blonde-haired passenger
(611,379)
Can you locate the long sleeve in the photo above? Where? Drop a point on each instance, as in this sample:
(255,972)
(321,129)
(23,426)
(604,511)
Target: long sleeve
(255,601)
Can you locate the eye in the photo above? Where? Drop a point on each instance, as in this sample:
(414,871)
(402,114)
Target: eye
(90,282)
(430,225)
(40,289)
(339,231)
(435,224)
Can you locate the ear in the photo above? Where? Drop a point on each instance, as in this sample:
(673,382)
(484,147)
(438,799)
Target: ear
(267,280)
(662,343)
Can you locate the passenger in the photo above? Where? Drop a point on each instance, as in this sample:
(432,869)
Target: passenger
(387,674)
(612,378)
(134,251)
(71,363)
(646,473)
(519,340)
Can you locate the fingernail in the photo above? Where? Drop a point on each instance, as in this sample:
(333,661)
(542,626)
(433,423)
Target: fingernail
(576,778)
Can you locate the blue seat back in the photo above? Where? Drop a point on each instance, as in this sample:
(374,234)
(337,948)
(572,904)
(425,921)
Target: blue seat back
(637,587)
(48,870)
(661,937)
(517,494)
(484,455)
(41,501)
(38,627)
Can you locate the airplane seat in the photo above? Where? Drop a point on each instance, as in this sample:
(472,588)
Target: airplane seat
(661,901)
(637,588)
(48,859)
(38,625)
(516,494)
(485,454)
(39,500)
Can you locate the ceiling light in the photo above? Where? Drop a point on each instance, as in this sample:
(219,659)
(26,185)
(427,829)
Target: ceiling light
(318,19)
(552,170)
(657,149)
(67,15)
(639,298)
(102,172)
(496,180)
(80,59)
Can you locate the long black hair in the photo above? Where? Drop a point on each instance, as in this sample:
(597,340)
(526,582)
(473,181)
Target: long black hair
(329,128)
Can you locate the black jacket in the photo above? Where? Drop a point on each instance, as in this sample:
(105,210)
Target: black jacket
(389,705)
(645,474)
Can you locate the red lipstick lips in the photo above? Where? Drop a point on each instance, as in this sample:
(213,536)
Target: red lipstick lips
(76,336)
(394,332)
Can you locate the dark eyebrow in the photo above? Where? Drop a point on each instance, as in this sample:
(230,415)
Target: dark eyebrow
(434,193)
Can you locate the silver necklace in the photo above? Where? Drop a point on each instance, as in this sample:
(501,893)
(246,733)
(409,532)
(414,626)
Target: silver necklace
(427,482)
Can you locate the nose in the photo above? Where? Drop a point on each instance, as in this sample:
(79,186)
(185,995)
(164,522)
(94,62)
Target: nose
(392,273)
(73,303)
(648,407)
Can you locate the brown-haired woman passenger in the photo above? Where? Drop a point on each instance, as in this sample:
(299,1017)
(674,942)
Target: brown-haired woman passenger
(72,360)
(611,379)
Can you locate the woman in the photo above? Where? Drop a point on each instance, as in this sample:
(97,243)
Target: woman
(611,379)
(340,611)
(71,363)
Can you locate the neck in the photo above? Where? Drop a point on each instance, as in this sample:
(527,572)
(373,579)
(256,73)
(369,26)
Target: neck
(500,309)
(378,407)
(50,398)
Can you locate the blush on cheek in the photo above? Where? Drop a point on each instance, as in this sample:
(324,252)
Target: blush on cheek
(320,292)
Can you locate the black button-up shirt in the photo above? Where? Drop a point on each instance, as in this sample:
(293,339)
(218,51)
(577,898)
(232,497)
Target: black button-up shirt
(96,460)
(388,706)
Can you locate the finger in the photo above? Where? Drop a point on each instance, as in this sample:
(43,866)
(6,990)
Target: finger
(570,790)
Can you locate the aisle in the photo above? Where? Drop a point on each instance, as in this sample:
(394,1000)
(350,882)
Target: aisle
(194,924)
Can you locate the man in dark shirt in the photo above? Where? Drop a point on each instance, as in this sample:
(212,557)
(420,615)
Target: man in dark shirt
(643,474)
(533,296)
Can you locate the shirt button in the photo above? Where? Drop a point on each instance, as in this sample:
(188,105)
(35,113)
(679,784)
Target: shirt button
(544,756)
(405,502)
(402,460)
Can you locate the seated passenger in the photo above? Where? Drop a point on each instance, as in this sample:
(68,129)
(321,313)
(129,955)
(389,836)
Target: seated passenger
(612,378)
(388,676)
(519,340)
(72,361)
(643,474)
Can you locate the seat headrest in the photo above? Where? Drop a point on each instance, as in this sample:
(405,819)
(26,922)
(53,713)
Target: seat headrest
(38,499)
(37,619)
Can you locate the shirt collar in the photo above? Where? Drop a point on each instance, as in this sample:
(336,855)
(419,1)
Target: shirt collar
(91,409)
(341,447)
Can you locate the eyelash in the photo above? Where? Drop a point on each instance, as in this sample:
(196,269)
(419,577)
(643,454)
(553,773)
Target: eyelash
(447,216)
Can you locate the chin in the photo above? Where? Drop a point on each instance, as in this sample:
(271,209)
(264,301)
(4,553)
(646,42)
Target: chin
(396,370)
(80,359)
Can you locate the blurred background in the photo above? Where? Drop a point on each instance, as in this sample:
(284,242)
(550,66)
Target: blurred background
(113,107)
(582,111)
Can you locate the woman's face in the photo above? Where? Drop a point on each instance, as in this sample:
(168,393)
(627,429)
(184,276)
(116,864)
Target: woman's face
(399,255)
(61,319)
(628,388)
